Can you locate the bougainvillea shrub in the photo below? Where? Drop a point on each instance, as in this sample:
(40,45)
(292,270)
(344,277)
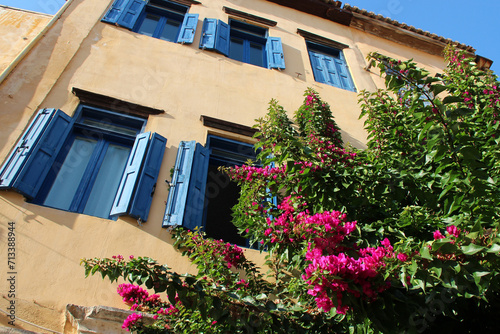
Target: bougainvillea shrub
(400,237)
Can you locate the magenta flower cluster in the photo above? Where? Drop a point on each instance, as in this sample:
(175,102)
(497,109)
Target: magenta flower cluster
(131,321)
(132,293)
(231,254)
(452,231)
(335,271)
(251,173)
(290,226)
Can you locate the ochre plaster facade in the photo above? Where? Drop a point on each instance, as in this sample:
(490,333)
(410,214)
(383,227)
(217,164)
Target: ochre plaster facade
(80,51)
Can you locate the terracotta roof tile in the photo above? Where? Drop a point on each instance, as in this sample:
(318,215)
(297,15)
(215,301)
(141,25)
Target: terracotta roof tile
(379,17)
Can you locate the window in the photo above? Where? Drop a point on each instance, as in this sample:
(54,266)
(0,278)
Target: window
(329,66)
(244,42)
(96,163)
(201,195)
(163,19)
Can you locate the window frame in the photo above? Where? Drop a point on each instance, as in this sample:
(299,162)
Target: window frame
(338,72)
(130,14)
(186,205)
(35,155)
(248,34)
(104,137)
(216,36)
(164,14)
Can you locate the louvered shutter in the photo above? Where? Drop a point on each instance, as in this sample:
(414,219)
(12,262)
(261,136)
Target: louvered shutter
(130,175)
(43,155)
(17,158)
(143,194)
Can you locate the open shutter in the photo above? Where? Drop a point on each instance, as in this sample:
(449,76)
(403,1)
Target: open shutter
(344,75)
(43,155)
(275,55)
(187,190)
(127,184)
(133,9)
(147,180)
(115,11)
(193,212)
(222,38)
(17,158)
(188,29)
(208,33)
(177,195)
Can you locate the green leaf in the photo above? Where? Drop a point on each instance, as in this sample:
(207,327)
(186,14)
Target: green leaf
(437,88)
(470,153)
(494,249)
(94,269)
(261,296)
(425,253)
(249,300)
(452,99)
(271,306)
(471,249)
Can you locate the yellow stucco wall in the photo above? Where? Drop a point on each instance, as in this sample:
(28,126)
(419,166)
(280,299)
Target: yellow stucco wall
(80,51)
(17,29)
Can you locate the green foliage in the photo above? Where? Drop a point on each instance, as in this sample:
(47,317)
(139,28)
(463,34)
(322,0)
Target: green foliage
(400,237)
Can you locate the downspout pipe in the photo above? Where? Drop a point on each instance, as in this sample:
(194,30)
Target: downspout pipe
(33,42)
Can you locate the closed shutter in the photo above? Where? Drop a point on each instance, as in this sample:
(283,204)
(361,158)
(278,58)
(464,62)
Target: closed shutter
(344,75)
(143,195)
(331,71)
(275,55)
(317,67)
(188,29)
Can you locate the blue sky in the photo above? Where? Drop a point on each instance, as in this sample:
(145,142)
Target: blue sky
(474,23)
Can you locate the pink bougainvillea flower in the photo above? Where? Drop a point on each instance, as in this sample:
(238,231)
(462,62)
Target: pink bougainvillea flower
(453,230)
(437,235)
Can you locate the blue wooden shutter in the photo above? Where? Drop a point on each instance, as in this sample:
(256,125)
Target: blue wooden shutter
(43,155)
(222,38)
(332,76)
(147,181)
(275,55)
(115,11)
(188,29)
(345,77)
(186,197)
(131,13)
(208,33)
(129,179)
(193,212)
(17,158)
(177,195)
(317,67)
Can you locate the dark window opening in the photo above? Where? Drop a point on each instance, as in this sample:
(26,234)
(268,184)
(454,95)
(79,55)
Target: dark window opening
(221,193)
